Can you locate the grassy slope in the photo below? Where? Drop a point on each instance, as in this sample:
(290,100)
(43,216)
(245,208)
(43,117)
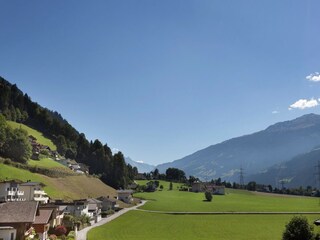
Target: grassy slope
(46,163)
(143,225)
(72,187)
(40,138)
(234,200)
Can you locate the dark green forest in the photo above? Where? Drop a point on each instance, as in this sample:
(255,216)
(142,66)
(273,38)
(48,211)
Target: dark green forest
(17,106)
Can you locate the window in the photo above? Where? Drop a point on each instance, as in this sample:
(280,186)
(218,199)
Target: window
(12,236)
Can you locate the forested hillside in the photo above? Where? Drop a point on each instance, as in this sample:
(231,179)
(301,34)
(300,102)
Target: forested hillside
(17,106)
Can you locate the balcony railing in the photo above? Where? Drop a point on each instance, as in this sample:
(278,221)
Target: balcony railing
(40,192)
(14,193)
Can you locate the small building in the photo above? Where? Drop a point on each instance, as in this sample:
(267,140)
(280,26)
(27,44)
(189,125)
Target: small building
(33,192)
(205,186)
(16,219)
(108,203)
(10,191)
(125,196)
(41,223)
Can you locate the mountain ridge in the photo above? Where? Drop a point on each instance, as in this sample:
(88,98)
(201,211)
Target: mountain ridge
(253,152)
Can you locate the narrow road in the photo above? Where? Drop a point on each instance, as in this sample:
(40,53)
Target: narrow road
(223,213)
(82,234)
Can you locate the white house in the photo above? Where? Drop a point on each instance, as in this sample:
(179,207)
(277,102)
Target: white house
(10,192)
(125,196)
(33,192)
(76,208)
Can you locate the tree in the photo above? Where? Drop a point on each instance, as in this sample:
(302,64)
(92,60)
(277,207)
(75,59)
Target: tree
(208,196)
(298,229)
(161,187)
(170,186)
(252,186)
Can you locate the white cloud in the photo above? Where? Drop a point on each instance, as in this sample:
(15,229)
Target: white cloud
(314,77)
(139,161)
(275,112)
(304,103)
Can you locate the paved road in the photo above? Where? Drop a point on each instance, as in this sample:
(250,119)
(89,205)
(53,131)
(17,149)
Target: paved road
(82,234)
(222,213)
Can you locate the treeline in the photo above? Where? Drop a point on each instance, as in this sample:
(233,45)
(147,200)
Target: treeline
(17,106)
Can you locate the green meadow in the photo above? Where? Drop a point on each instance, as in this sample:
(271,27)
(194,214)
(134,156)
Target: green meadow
(233,201)
(137,225)
(141,224)
(45,163)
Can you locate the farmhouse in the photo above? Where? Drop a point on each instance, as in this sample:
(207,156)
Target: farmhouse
(206,186)
(42,223)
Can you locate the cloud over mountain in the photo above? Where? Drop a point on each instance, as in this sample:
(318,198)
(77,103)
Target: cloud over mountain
(304,103)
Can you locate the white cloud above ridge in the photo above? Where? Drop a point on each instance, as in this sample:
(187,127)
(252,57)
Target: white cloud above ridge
(275,112)
(314,77)
(304,103)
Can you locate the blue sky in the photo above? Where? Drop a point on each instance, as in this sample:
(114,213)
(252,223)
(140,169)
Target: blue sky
(162,79)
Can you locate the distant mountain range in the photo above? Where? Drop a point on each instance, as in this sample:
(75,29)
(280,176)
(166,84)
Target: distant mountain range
(255,153)
(142,167)
(301,170)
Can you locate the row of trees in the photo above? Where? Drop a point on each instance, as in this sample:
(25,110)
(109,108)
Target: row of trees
(16,106)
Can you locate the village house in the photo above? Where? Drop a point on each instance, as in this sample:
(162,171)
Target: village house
(125,196)
(41,223)
(10,191)
(17,218)
(206,186)
(57,214)
(33,191)
(94,209)
(108,203)
(75,208)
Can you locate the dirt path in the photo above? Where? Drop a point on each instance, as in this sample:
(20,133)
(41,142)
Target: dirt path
(82,234)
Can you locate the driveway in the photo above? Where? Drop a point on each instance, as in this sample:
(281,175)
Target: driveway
(82,234)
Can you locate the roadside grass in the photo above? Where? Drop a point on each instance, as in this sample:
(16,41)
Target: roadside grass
(38,135)
(136,225)
(66,188)
(46,163)
(233,201)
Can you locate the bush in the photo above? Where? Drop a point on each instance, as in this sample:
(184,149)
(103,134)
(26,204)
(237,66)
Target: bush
(60,230)
(208,196)
(298,229)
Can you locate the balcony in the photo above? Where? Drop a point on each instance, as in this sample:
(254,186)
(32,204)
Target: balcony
(15,193)
(41,199)
(39,192)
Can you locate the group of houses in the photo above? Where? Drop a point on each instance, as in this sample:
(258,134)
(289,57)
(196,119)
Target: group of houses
(25,209)
(37,148)
(208,186)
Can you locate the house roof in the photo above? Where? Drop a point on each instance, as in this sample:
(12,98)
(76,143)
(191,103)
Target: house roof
(125,191)
(18,212)
(43,217)
(94,201)
(103,199)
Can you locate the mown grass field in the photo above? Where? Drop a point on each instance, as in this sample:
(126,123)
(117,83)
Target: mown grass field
(136,225)
(67,188)
(38,135)
(46,163)
(233,201)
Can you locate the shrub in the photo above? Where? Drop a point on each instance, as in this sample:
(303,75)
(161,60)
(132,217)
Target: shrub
(208,196)
(298,229)
(60,230)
